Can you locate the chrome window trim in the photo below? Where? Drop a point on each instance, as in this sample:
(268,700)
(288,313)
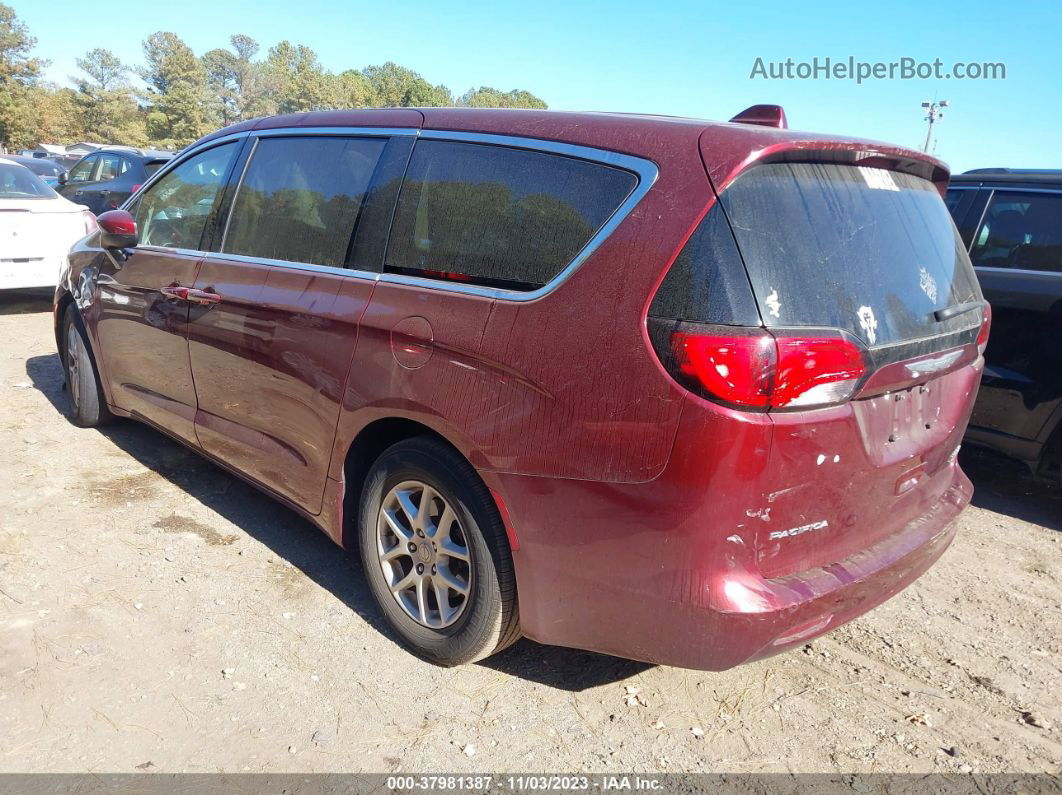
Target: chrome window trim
(361,132)
(300,266)
(645,170)
(187,252)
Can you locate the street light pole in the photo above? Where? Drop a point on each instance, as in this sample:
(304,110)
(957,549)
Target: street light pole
(934,111)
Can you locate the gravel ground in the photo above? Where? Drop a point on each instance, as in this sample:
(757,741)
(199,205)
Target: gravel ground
(158,614)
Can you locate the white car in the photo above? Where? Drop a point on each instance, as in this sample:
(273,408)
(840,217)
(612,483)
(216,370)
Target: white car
(37,228)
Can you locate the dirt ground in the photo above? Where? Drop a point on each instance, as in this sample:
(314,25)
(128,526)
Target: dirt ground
(158,614)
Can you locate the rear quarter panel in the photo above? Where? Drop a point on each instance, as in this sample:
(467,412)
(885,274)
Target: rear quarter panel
(565,385)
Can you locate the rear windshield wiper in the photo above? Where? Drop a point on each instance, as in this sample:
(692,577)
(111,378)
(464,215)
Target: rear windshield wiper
(954,311)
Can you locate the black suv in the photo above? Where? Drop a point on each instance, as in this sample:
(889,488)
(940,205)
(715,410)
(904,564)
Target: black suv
(1011,223)
(107,177)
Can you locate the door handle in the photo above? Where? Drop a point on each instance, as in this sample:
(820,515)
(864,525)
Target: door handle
(173,291)
(105,192)
(203,297)
(78,192)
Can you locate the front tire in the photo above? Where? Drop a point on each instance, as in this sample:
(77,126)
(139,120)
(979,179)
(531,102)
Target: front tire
(435,554)
(89,409)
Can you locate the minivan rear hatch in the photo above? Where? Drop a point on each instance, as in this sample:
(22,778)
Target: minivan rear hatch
(868,255)
(867,250)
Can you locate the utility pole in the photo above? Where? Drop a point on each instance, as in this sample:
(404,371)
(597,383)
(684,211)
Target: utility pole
(934,110)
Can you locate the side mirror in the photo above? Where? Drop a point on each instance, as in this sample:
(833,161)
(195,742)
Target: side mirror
(117,230)
(63,178)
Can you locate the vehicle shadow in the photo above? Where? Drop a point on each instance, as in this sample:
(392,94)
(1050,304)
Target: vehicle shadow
(297,541)
(24,302)
(1006,486)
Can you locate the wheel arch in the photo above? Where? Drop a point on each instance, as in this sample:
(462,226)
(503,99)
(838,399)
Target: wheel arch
(64,303)
(61,304)
(366,446)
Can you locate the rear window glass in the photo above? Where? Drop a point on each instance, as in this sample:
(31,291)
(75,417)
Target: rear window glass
(18,182)
(152,166)
(1021,230)
(301,197)
(44,168)
(498,216)
(707,281)
(871,251)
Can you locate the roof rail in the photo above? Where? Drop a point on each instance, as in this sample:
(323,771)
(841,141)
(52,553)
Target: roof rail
(137,150)
(1014,171)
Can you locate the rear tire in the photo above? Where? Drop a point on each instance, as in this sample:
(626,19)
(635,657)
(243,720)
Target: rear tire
(89,409)
(436,555)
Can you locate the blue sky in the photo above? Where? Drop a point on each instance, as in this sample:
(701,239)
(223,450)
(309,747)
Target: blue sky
(669,56)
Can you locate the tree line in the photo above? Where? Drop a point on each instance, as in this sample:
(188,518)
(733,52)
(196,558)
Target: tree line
(185,96)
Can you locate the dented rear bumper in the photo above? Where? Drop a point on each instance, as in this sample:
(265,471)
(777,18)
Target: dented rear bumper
(648,571)
(776,614)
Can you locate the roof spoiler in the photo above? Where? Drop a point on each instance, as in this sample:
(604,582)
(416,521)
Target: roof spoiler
(764,115)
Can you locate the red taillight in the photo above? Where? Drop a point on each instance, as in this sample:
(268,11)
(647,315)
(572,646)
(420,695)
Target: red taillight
(986,326)
(816,370)
(736,369)
(136,188)
(757,369)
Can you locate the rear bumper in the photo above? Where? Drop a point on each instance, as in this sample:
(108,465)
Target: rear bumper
(643,592)
(774,615)
(43,272)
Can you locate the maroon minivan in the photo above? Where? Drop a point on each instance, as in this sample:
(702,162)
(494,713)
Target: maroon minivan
(682,391)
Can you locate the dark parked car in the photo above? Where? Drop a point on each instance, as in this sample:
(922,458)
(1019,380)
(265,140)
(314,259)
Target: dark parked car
(105,178)
(683,391)
(1011,223)
(49,171)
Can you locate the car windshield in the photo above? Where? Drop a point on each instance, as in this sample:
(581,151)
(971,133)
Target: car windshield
(18,182)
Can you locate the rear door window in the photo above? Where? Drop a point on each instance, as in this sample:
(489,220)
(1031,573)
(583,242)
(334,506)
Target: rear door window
(870,251)
(1021,230)
(498,216)
(301,197)
(109,167)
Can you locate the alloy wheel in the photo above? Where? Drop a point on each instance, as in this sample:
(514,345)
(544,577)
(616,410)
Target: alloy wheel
(424,554)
